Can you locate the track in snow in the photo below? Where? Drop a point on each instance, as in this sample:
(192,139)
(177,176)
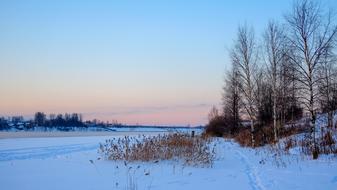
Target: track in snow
(254,179)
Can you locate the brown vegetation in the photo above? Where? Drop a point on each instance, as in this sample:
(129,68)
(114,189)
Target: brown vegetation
(299,78)
(182,147)
(326,144)
(263,135)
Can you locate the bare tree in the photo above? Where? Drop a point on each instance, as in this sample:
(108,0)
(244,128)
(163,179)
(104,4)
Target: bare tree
(244,57)
(214,113)
(231,97)
(327,86)
(263,95)
(286,87)
(312,35)
(291,107)
(274,43)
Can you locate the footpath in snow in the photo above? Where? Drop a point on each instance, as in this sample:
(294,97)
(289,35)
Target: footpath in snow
(74,163)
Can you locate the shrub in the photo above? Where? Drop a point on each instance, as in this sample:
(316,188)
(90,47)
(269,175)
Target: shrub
(220,126)
(191,150)
(264,134)
(244,138)
(289,143)
(216,126)
(326,144)
(292,130)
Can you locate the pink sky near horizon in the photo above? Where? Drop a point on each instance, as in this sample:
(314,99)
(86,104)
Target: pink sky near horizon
(192,115)
(138,62)
(183,116)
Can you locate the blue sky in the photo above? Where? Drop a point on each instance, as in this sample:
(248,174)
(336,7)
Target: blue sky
(148,62)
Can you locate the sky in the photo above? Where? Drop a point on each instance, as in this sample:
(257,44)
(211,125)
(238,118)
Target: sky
(135,61)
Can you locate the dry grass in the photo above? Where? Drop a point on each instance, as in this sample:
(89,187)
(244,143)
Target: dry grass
(289,143)
(265,135)
(191,150)
(326,144)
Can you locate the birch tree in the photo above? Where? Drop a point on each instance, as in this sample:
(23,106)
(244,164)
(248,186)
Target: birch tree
(244,57)
(327,87)
(312,34)
(231,98)
(274,46)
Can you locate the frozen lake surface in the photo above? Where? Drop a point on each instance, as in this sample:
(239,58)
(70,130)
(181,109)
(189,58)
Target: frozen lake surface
(50,161)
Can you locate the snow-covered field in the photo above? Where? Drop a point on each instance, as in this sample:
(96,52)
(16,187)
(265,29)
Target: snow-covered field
(73,163)
(40,134)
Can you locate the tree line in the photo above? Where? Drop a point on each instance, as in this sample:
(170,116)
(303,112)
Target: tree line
(290,71)
(65,120)
(62,121)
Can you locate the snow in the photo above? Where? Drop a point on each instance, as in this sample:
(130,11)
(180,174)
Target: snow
(20,128)
(40,134)
(74,163)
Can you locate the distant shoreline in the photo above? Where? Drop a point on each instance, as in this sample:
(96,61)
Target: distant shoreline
(38,134)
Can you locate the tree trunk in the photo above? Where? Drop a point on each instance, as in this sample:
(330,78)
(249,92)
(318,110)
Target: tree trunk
(274,109)
(252,132)
(275,124)
(313,127)
(330,121)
